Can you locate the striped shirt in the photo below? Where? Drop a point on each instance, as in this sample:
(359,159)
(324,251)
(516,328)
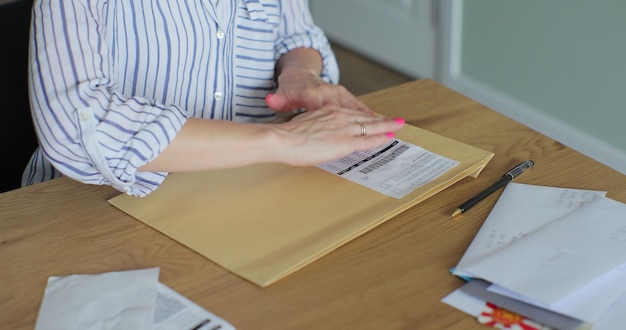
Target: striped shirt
(112,82)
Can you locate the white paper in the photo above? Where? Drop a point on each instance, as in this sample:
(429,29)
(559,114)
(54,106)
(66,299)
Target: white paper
(603,292)
(174,311)
(120,300)
(614,317)
(465,300)
(472,297)
(395,169)
(563,256)
(115,300)
(521,209)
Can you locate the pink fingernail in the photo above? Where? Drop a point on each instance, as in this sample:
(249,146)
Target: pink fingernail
(269,96)
(399,120)
(390,135)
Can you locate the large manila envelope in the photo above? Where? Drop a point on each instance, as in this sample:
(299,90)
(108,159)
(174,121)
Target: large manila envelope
(266,221)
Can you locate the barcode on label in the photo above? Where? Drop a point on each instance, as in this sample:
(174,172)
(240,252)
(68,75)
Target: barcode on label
(381,162)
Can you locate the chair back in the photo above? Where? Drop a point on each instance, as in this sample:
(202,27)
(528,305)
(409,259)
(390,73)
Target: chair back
(17,136)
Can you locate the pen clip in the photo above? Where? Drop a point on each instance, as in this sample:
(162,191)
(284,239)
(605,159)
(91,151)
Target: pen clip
(519,169)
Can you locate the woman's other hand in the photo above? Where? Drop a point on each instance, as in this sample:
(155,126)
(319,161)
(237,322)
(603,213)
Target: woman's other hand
(301,87)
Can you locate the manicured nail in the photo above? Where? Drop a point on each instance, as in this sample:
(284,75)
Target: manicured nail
(269,96)
(399,120)
(390,135)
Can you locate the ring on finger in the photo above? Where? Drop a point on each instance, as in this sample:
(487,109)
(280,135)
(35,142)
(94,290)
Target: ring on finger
(363,128)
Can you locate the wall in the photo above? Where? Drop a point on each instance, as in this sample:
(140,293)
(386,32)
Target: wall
(558,66)
(397,33)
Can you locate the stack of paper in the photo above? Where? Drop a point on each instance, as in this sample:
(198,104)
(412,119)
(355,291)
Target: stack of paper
(554,255)
(132,299)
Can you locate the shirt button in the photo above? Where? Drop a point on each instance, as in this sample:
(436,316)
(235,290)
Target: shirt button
(218,95)
(220,34)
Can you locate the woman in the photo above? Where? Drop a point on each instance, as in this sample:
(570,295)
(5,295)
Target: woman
(125,91)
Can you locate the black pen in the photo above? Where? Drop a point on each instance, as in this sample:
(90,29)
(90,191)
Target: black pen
(506,178)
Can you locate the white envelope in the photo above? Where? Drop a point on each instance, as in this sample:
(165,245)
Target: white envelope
(603,292)
(521,209)
(562,257)
(472,297)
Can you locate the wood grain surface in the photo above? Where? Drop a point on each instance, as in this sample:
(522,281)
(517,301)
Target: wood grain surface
(392,277)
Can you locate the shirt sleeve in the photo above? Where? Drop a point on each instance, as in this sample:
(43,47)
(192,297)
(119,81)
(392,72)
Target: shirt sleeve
(86,128)
(297,29)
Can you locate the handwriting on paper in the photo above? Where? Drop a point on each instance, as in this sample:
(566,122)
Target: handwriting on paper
(559,255)
(619,234)
(572,198)
(496,239)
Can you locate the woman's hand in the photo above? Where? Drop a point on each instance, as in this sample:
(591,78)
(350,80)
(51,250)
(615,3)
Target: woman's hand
(301,87)
(331,132)
(310,138)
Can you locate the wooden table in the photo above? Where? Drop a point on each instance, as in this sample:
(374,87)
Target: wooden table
(393,277)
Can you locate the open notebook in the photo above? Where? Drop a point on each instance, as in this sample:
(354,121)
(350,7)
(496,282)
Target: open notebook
(265,221)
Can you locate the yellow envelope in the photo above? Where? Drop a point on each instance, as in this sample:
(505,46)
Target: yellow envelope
(265,221)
